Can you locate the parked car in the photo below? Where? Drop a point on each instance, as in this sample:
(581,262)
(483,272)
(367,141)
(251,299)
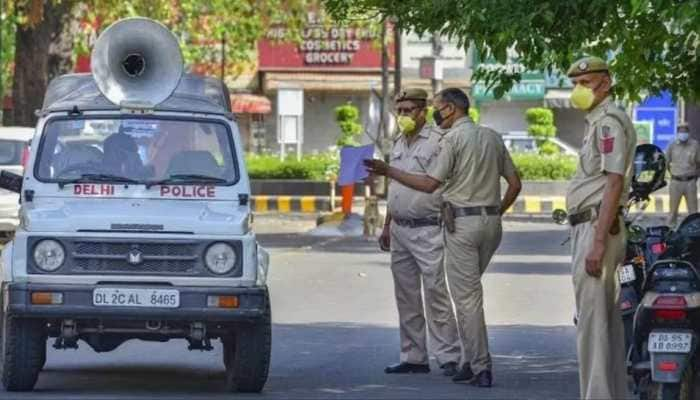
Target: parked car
(521,142)
(14,151)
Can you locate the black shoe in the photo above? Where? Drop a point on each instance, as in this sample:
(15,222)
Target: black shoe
(449,369)
(464,375)
(407,368)
(483,379)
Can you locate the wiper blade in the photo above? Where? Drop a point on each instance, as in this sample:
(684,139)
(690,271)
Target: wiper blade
(186,177)
(97,178)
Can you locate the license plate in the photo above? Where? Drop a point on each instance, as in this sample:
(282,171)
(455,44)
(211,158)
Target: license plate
(127,297)
(626,273)
(670,342)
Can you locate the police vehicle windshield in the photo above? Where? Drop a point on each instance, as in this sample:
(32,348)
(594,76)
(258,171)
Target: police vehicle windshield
(145,151)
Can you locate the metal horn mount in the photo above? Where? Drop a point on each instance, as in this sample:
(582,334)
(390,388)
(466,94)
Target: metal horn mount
(137,62)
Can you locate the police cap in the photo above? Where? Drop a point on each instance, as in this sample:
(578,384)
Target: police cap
(587,65)
(412,94)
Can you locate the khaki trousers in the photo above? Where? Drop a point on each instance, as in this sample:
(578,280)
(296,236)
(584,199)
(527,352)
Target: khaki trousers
(417,256)
(678,190)
(468,252)
(600,338)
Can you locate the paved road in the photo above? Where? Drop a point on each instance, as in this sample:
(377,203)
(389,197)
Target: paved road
(335,328)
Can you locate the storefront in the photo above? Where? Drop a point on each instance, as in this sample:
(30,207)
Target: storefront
(251,111)
(536,89)
(453,60)
(507,114)
(331,66)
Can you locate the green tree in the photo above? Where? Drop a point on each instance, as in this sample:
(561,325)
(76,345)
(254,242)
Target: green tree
(8,26)
(656,43)
(44,26)
(540,123)
(348,118)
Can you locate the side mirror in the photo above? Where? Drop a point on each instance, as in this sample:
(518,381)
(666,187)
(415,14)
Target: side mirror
(10,181)
(560,216)
(636,234)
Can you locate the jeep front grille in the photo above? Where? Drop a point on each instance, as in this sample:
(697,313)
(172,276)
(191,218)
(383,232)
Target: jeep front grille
(113,257)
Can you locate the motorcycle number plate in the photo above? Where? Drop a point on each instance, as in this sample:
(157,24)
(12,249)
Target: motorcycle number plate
(626,273)
(670,342)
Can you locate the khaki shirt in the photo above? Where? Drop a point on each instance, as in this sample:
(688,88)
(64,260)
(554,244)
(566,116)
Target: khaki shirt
(405,202)
(683,158)
(471,162)
(608,146)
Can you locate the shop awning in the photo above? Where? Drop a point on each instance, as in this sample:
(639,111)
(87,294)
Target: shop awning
(557,98)
(317,81)
(250,104)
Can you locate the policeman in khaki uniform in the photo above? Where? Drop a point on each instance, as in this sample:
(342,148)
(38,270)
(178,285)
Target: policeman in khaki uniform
(595,195)
(413,232)
(683,157)
(471,161)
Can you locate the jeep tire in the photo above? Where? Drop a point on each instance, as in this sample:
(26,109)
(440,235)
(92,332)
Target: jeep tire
(23,352)
(247,354)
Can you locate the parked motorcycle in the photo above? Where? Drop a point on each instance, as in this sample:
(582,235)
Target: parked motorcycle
(664,359)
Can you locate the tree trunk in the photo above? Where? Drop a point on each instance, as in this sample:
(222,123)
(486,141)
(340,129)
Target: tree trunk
(37,60)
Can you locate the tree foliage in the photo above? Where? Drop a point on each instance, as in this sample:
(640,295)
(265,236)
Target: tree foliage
(199,25)
(348,118)
(8,27)
(540,122)
(653,44)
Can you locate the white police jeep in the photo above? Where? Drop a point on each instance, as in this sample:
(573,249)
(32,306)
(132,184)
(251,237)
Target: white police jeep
(135,217)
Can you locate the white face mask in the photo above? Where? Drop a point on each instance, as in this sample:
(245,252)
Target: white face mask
(683,136)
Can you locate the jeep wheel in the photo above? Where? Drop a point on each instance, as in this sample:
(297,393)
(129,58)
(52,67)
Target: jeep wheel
(247,355)
(23,344)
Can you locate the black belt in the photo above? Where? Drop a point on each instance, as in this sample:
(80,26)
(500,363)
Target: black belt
(587,215)
(684,178)
(417,222)
(583,216)
(469,211)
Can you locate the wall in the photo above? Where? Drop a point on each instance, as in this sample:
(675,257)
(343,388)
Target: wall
(454,59)
(505,117)
(570,125)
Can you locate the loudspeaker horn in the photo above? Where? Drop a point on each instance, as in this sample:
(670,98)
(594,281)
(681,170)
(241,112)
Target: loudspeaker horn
(137,63)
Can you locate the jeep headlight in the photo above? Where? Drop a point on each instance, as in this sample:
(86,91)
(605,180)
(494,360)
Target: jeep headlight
(220,258)
(49,255)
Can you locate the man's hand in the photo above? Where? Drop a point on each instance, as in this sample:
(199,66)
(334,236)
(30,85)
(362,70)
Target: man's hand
(376,167)
(594,259)
(385,238)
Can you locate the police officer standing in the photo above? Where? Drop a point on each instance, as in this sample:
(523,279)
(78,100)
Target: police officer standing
(471,161)
(413,232)
(683,157)
(596,193)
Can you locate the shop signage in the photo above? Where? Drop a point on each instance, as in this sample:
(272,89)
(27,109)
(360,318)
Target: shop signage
(662,112)
(322,46)
(531,87)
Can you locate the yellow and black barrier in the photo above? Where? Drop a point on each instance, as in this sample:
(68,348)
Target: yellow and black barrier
(546,204)
(289,204)
(659,204)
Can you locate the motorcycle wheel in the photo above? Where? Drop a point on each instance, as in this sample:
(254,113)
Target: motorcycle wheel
(684,390)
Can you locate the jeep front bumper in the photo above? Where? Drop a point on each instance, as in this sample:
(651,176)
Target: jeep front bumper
(78,304)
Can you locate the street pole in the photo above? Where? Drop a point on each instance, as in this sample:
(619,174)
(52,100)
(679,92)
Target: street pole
(397,57)
(384,108)
(437,51)
(223,56)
